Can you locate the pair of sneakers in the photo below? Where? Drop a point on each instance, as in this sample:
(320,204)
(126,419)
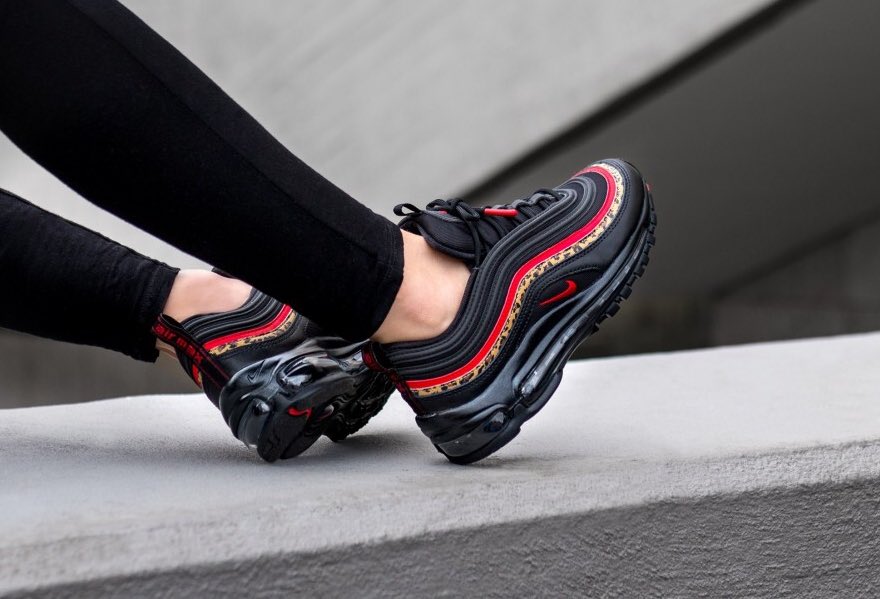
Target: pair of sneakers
(545,271)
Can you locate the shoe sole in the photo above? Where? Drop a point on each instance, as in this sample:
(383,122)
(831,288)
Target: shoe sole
(358,411)
(536,366)
(285,403)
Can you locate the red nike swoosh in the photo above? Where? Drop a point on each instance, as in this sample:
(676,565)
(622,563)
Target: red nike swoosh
(571,287)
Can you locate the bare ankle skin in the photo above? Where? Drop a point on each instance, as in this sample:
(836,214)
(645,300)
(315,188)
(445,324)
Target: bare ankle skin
(429,297)
(202,292)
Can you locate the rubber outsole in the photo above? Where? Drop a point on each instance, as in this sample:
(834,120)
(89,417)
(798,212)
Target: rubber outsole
(283,404)
(355,413)
(495,425)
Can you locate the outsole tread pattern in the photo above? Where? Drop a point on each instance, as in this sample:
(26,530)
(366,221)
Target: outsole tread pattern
(360,410)
(626,290)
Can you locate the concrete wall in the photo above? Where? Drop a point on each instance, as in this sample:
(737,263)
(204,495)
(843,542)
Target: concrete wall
(751,471)
(35,371)
(758,154)
(829,290)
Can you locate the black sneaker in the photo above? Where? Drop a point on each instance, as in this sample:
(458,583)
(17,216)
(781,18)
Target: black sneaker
(278,380)
(546,271)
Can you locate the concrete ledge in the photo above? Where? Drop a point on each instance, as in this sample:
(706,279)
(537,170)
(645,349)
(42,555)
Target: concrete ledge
(751,470)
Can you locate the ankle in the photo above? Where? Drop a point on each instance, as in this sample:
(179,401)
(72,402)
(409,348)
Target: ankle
(203,292)
(429,296)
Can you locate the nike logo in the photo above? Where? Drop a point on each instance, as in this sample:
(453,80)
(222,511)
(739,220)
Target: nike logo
(569,290)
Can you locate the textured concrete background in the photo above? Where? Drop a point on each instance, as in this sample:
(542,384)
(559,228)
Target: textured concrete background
(728,472)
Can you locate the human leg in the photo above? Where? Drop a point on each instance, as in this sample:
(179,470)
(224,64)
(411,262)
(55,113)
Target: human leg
(68,283)
(64,282)
(118,114)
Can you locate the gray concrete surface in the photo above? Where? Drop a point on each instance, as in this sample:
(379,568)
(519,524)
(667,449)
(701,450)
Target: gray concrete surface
(746,471)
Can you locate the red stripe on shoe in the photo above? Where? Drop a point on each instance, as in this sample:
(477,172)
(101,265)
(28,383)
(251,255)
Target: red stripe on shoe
(196,376)
(508,212)
(514,283)
(276,322)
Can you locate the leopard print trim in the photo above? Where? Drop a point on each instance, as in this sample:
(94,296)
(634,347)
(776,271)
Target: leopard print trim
(526,282)
(282,328)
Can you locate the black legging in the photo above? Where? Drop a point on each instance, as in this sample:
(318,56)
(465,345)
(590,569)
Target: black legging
(118,114)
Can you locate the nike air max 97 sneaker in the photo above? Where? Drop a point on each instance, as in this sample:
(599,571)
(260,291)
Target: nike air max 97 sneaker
(546,270)
(279,381)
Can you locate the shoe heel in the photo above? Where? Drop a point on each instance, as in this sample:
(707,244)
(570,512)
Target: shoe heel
(497,427)
(282,405)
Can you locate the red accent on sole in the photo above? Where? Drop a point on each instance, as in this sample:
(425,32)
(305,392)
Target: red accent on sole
(514,283)
(571,287)
(294,412)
